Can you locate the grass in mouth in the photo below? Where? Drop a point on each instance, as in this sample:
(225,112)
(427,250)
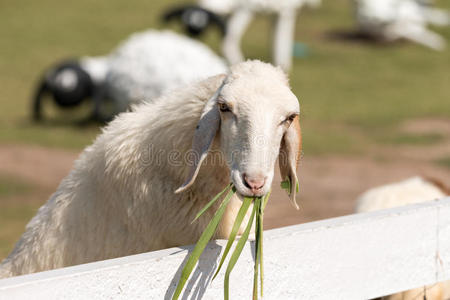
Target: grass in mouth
(259,203)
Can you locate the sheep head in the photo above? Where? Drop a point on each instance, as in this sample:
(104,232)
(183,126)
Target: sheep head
(257,118)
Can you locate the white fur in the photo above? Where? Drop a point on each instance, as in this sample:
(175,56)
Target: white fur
(412,190)
(119,198)
(409,191)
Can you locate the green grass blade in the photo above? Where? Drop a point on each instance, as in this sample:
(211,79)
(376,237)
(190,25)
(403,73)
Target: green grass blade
(211,203)
(257,248)
(260,244)
(237,224)
(201,244)
(266,198)
(236,253)
(261,265)
(286,185)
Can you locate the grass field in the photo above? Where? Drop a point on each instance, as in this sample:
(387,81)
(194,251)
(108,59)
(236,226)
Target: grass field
(340,84)
(354,96)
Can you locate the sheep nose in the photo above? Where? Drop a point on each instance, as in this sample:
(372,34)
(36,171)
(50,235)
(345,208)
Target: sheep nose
(255,183)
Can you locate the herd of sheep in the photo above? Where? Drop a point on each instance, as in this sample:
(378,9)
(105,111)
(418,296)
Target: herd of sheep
(194,125)
(138,69)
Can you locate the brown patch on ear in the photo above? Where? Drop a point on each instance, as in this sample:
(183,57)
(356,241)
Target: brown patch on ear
(286,150)
(296,124)
(289,157)
(439,184)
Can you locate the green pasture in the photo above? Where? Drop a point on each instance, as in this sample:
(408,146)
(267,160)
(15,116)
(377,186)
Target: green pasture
(343,86)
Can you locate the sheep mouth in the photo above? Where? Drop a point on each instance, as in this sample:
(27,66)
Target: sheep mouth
(249,194)
(245,190)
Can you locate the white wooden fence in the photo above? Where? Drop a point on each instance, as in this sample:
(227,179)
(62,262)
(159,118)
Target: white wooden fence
(353,257)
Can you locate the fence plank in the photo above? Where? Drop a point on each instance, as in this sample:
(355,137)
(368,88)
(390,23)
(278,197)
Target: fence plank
(352,257)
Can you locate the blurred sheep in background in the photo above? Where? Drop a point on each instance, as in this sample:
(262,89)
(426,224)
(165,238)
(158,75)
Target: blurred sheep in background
(149,63)
(413,190)
(391,20)
(241,14)
(142,68)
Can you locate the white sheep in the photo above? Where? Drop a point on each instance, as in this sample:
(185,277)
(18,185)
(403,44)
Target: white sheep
(119,198)
(151,62)
(409,191)
(401,19)
(241,15)
(143,66)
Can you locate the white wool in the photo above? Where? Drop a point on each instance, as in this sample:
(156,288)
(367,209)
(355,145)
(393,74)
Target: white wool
(152,62)
(412,190)
(221,7)
(119,198)
(96,67)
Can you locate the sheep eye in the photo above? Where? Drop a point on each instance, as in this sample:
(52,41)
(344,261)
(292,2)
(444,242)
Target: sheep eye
(223,107)
(289,119)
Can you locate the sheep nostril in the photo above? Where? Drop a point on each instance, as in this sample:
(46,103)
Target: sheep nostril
(255,183)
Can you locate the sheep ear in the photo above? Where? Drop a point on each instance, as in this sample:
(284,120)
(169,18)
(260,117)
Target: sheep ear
(289,157)
(204,135)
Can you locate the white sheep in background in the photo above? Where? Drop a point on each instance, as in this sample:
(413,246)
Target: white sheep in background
(241,15)
(151,62)
(141,68)
(401,19)
(119,198)
(410,191)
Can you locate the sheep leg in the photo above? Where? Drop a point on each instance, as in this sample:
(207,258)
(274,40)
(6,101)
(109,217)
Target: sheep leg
(236,26)
(419,34)
(283,40)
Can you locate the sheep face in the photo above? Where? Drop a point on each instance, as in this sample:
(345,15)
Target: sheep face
(256,116)
(252,126)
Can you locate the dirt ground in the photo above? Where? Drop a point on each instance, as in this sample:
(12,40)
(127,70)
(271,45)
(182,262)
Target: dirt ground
(329,184)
